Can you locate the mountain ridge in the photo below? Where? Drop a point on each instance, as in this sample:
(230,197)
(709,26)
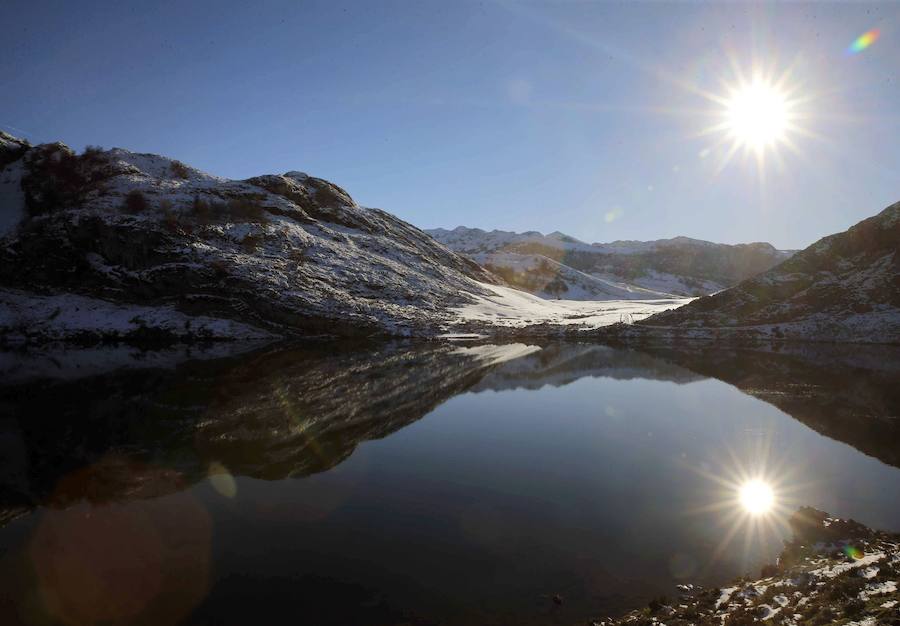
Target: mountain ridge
(556,234)
(663,268)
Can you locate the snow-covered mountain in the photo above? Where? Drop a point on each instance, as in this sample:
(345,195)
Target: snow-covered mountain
(844,287)
(123,245)
(113,245)
(557,265)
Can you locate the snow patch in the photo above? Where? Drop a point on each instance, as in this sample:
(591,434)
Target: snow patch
(503,306)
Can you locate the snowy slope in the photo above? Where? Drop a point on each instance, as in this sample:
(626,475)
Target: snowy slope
(285,254)
(500,306)
(554,264)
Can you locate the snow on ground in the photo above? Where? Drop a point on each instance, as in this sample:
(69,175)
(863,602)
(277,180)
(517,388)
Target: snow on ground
(60,316)
(517,309)
(877,589)
(725,596)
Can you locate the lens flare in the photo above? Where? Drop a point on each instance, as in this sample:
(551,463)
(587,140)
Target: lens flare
(864,41)
(853,552)
(756,497)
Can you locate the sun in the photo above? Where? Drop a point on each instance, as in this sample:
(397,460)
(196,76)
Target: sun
(757,115)
(756,497)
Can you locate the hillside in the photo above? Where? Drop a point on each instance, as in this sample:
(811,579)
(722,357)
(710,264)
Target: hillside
(116,245)
(557,265)
(844,287)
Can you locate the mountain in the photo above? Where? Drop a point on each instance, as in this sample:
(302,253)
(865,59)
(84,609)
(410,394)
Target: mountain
(112,245)
(844,287)
(116,244)
(557,265)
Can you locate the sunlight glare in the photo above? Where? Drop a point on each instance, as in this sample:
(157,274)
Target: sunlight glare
(756,497)
(757,115)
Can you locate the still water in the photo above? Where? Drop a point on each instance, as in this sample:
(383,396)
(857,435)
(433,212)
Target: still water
(422,484)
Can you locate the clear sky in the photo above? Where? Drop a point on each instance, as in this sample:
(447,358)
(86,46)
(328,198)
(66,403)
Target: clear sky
(583,117)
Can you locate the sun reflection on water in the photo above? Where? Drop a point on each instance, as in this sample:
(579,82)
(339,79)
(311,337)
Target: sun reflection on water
(756,497)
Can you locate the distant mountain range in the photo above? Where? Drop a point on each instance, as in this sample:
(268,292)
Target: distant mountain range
(558,265)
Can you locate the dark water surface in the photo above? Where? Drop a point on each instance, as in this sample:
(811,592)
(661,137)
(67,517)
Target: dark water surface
(438,483)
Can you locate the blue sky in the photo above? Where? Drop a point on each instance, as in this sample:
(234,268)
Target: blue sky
(574,116)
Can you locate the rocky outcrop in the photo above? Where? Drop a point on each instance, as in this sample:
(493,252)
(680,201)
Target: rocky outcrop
(285,254)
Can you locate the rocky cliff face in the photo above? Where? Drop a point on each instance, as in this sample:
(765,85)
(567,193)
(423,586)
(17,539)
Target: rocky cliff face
(557,264)
(272,255)
(845,287)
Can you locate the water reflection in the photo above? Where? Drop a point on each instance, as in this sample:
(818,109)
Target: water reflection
(848,393)
(573,469)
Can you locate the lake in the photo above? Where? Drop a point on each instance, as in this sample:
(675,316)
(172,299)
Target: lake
(431,483)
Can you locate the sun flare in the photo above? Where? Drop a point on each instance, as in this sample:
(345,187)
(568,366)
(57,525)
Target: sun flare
(756,497)
(761,115)
(757,115)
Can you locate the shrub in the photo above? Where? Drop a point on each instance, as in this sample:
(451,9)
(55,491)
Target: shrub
(171,219)
(219,209)
(57,180)
(657,603)
(740,617)
(91,150)
(180,170)
(769,569)
(92,154)
(246,209)
(60,179)
(854,607)
(135,202)
(201,209)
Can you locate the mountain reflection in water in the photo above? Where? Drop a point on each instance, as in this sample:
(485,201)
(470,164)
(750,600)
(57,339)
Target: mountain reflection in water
(561,468)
